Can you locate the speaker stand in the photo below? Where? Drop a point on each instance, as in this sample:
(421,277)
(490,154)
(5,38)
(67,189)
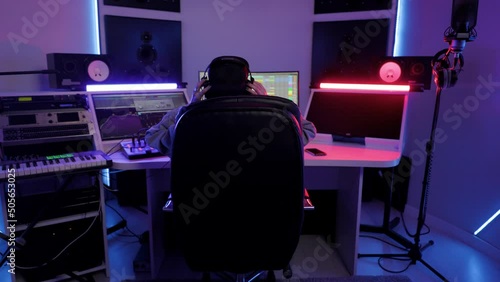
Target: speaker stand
(387,224)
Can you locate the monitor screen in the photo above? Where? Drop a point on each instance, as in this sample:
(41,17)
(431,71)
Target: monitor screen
(279,83)
(123,115)
(373,115)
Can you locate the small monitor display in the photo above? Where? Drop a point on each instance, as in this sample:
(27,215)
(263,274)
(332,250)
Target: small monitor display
(280,83)
(358,115)
(123,115)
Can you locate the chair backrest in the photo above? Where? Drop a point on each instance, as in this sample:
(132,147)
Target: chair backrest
(237,183)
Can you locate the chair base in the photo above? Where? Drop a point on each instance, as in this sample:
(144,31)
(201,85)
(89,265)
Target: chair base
(248,277)
(308,205)
(254,276)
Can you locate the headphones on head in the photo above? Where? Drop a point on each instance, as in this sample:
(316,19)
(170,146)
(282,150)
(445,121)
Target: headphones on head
(227,76)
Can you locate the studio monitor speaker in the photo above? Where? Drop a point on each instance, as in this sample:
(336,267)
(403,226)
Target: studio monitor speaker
(411,70)
(76,71)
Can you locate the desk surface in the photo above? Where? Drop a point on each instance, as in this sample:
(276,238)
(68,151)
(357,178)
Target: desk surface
(122,163)
(341,154)
(337,155)
(348,159)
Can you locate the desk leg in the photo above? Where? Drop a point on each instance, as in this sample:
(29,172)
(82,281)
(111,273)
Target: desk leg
(349,187)
(348,182)
(158,182)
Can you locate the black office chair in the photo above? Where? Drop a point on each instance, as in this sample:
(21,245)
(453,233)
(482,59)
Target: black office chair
(237,186)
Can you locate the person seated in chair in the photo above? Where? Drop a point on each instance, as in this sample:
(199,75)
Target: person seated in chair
(228,75)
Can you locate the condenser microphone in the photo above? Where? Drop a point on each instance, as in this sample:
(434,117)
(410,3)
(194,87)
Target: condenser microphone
(463,22)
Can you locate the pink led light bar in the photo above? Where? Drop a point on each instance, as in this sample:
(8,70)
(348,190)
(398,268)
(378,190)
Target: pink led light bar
(133,87)
(374,87)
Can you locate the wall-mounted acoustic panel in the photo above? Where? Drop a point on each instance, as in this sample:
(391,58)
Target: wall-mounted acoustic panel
(164,5)
(144,50)
(346,51)
(339,6)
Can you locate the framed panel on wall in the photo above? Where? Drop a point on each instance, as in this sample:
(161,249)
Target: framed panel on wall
(144,50)
(165,5)
(347,50)
(339,6)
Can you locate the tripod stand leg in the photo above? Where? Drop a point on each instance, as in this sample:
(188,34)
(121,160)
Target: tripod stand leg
(433,270)
(414,255)
(430,243)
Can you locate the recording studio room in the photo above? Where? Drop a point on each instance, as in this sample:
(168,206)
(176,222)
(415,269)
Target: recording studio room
(249,140)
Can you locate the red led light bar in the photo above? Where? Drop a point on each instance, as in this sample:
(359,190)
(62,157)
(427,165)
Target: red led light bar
(374,87)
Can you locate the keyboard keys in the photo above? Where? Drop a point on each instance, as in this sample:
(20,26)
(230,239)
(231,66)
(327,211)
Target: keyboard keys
(85,160)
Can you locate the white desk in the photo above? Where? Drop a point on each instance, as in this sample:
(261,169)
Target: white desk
(157,184)
(341,169)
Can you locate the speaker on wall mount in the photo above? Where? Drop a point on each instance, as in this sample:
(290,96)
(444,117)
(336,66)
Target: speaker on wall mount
(146,53)
(144,50)
(413,70)
(76,71)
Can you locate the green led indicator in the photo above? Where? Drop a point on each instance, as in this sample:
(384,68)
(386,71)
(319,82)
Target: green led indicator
(59,156)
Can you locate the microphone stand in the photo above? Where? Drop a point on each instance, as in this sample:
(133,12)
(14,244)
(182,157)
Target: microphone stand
(415,248)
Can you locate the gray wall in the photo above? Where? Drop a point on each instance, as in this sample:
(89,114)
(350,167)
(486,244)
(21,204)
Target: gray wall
(31,29)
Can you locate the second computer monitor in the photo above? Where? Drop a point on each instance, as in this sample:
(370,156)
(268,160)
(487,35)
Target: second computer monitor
(277,83)
(373,116)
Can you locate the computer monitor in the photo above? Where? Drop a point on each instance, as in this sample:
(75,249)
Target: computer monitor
(277,83)
(121,115)
(361,116)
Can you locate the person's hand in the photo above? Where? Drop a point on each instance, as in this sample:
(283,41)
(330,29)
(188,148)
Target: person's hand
(256,88)
(199,93)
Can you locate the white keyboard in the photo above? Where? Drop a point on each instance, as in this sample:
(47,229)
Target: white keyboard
(54,164)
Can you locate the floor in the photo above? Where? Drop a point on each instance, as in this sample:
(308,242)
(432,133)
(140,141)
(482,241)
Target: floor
(449,256)
(452,258)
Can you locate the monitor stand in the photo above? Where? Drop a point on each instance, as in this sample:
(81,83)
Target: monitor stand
(348,139)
